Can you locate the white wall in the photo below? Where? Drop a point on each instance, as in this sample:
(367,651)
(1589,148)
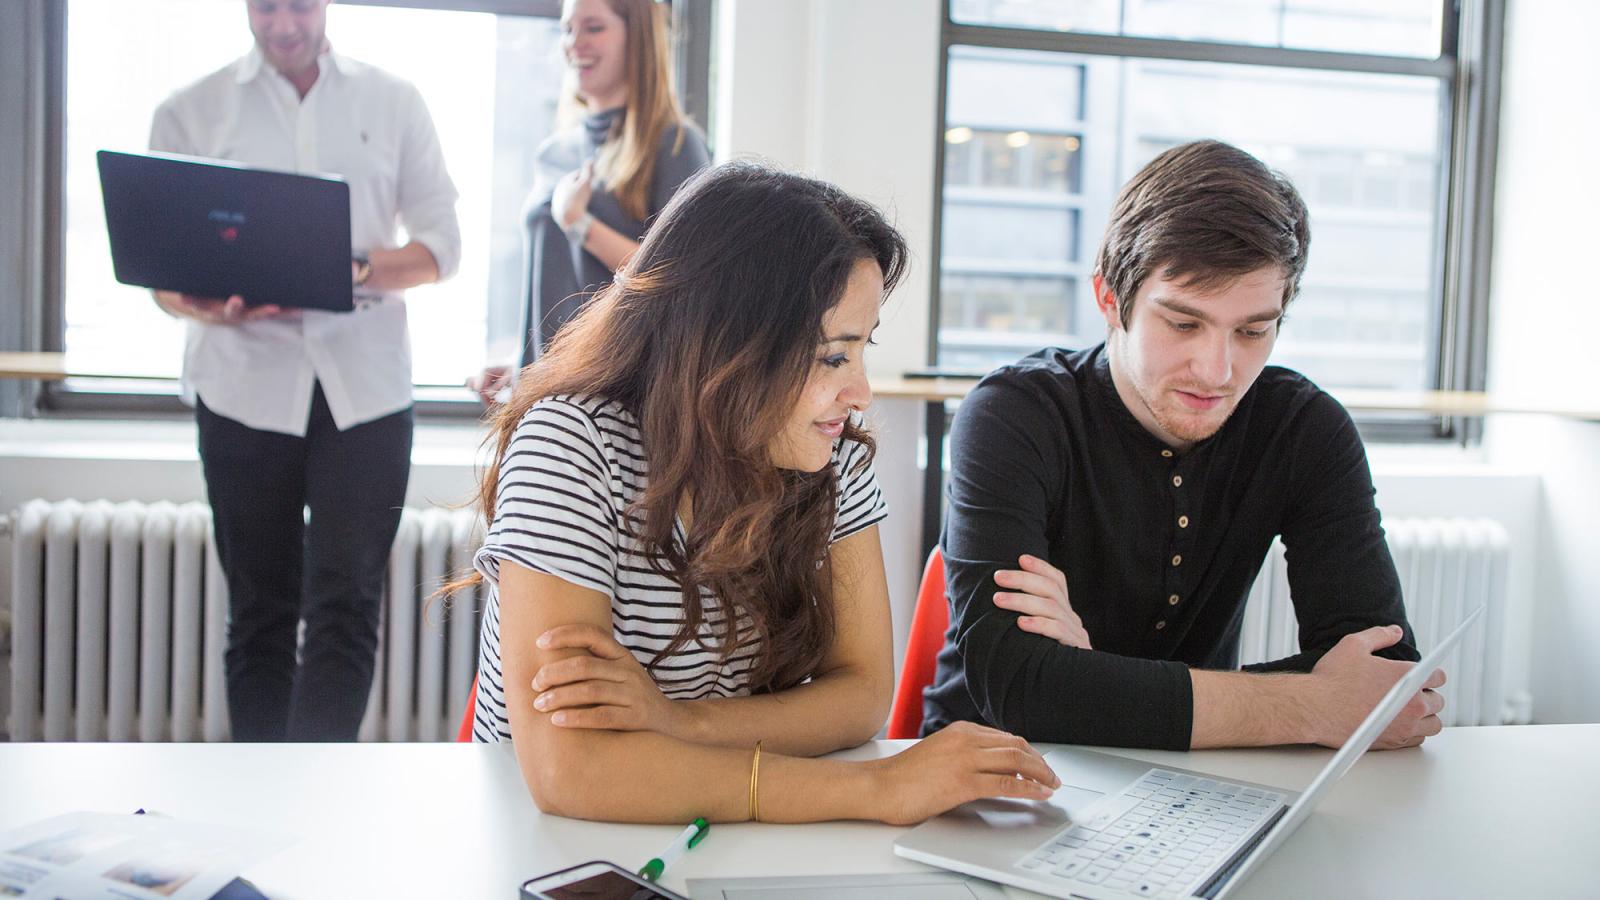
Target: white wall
(1545,321)
(844,90)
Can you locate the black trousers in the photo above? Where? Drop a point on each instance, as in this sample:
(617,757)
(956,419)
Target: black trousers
(282,566)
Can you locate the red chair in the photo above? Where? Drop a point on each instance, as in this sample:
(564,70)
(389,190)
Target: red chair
(464,735)
(928,625)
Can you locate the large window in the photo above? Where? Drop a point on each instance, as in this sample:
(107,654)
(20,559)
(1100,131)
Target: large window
(1050,105)
(491,83)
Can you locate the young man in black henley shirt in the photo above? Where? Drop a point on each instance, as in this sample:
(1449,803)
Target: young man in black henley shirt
(1109,508)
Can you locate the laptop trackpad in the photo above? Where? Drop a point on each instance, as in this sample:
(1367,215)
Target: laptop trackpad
(1069,803)
(1005,815)
(1075,800)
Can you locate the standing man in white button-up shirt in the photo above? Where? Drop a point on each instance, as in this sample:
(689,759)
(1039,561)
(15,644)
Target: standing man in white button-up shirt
(310,409)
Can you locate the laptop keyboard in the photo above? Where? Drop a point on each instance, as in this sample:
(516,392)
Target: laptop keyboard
(1156,837)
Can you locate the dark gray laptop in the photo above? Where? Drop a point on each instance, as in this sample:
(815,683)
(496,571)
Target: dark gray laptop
(214,229)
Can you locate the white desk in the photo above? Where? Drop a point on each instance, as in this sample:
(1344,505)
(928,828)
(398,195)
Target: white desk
(1478,812)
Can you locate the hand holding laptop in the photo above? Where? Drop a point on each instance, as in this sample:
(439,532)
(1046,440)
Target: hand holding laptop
(214,311)
(1356,679)
(210,233)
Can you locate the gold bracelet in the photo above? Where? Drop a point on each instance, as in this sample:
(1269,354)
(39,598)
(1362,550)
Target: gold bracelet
(755,785)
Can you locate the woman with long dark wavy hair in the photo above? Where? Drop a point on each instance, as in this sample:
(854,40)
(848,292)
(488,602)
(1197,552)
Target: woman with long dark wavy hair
(686,594)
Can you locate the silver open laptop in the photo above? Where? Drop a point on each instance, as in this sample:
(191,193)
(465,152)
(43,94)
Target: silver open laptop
(1121,828)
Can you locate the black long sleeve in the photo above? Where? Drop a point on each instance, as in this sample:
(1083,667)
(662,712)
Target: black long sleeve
(1159,549)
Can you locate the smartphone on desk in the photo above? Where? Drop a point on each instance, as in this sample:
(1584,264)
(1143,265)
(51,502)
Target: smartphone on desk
(594,881)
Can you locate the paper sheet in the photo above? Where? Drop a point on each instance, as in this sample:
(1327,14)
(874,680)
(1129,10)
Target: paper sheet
(125,857)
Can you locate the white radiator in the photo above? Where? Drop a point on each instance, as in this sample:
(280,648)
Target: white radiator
(1448,567)
(119,613)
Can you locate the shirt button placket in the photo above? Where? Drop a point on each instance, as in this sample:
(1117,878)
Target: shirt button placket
(1179,504)
(306,136)
(1179,539)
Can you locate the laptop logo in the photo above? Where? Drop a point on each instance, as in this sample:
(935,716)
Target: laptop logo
(230,220)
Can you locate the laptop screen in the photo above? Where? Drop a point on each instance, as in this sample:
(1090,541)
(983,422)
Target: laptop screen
(1363,738)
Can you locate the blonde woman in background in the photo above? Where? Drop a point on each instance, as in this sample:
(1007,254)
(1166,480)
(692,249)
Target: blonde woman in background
(622,148)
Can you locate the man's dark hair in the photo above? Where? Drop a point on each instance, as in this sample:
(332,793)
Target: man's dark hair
(1204,213)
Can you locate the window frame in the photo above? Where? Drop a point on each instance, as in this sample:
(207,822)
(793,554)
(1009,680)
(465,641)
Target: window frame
(1467,67)
(38,29)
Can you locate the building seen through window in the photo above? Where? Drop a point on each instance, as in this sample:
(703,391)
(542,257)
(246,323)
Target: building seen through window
(1387,27)
(1037,143)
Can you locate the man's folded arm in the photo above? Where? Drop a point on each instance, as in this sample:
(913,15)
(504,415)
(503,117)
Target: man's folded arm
(1032,686)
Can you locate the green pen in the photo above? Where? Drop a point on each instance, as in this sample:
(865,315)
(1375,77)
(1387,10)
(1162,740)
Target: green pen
(694,834)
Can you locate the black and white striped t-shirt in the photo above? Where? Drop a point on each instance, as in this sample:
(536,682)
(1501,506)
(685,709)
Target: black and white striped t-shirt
(571,469)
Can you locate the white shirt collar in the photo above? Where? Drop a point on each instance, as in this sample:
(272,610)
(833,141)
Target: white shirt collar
(252,64)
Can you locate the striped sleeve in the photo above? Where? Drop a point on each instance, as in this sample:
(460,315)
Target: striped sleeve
(554,508)
(860,500)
